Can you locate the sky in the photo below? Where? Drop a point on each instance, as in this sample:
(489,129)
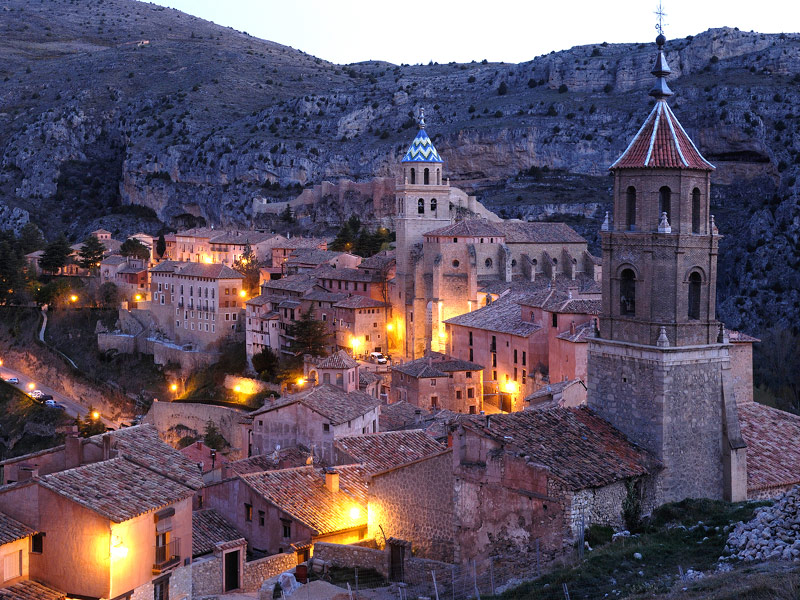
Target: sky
(346,31)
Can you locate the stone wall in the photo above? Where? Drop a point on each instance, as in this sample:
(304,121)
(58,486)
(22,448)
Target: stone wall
(180,586)
(415,503)
(601,505)
(169,415)
(163,352)
(349,556)
(258,571)
(206,576)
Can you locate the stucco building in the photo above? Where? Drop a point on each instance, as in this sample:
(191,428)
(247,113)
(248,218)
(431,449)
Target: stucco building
(438,381)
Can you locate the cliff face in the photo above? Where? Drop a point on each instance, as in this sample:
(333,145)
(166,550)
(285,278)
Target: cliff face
(129,115)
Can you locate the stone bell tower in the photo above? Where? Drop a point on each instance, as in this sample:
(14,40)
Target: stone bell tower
(423,204)
(659,369)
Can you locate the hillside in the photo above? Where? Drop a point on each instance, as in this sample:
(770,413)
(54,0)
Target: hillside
(100,128)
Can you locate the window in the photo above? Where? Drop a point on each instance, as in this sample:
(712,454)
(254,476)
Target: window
(413,175)
(694,295)
(630,209)
(488,262)
(555,320)
(287,528)
(434,401)
(161,588)
(426,177)
(695,210)
(515,373)
(248,512)
(433,204)
(470,392)
(12,565)
(664,202)
(326,427)
(494,359)
(458,394)
(494,375)
(470,338)
(421,206)
(433,383)
(261,516)
(468,375)
(471,355)
(524,354)
(524,376)
(627,293)
(515,356)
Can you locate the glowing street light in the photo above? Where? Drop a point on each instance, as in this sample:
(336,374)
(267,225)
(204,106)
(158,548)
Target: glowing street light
(389,327)
(355,343)
(237,389)
(300,381)
(355,513)
(31,386)
(243,294)
(511,387)
(73,298)
(137,297)
(95,415)
(174,387)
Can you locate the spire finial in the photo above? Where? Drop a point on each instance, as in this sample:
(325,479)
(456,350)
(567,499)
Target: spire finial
(661,69)
(422,118)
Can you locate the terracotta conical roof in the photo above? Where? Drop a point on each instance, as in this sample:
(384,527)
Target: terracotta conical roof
(662,142)
(421,149)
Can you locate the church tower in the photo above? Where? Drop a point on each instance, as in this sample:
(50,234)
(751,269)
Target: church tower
(423,204)
(659,369)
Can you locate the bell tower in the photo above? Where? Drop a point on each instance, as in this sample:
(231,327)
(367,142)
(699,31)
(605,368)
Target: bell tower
(659,368)
(423,204)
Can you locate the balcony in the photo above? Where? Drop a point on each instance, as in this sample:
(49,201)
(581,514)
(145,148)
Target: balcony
(167,556)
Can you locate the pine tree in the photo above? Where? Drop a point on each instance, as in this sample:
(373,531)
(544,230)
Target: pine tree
(30,239)
(247,265)
(135,248)
(161,246)
(56,255)
(91,253)
(287,215)
(309,336)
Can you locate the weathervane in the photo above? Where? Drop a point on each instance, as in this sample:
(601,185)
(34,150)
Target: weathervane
(660,14)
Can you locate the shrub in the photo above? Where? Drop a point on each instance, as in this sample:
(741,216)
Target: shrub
(502,89)
(598,535)
(563,89)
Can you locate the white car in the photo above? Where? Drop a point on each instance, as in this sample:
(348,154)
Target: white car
(13,380)
(37,394)
(378,357)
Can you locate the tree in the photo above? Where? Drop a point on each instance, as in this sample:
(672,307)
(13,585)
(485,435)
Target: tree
(56,255)
(213,438)
(109,295)
(346,238)
(30,239)
(308,335)
(247,265)
(502,90)
(91,253)
(161,246)
(287,216)
(134,248)
(12,270)
(266,364)
(90,425)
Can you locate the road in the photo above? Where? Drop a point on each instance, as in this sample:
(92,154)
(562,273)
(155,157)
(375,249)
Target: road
(73,408)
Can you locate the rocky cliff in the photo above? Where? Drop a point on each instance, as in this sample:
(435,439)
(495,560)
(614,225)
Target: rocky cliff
(129,115)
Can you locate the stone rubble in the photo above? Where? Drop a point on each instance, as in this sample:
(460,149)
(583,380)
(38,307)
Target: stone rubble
(773,534)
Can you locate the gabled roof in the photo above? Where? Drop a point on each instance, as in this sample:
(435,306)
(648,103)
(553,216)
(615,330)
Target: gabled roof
(213,271)
(422,149)
(379,451)
(468,228)
(356,301)
(344,274)
(241,237)
(328,400)
(116,489)
(209,528)
(435,364)
(312,256)
(30,590)
(503,316)
(379,261)
(773,454)
(577,447)
(535,232)
(12,530)
(338,360)
(114,259)
(300,282)
(280,459)
(662,143)
(301,493)
(399,415)
(560,301)
(301,242)
(582,333)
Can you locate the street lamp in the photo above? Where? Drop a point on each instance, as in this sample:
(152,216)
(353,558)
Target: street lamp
(95,415)
(243,294)
(355,343)
(137,297)
(31,386)
(73,298)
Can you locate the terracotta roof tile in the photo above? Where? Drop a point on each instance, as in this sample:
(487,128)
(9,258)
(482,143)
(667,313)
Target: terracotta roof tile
(440,365)
(379,261)
(30,590)
(379,451)
(300,282)
(208,529)
(344,274)
(739,337)
(398,415)
(330,401)
(773,454)
(338,360)
(468,228)
(582,334)
(301,242)
(561,301)
(284,458)
(503,316)
(580,449)
(356,301)
(12,530)
(301,493)
(536,232)
(117,489)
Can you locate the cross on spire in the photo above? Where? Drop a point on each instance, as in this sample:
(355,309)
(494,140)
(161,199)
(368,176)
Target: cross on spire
(660,14)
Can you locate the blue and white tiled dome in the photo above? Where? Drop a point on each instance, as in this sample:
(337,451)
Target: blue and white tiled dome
(422,149)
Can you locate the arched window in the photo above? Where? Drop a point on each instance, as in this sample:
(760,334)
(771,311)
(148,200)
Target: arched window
(695,210)
(664,201)
(413,176)
(438,177)
(433,203)
(426,177)
(488,262)
(627,293)
(630,209)
(694,295)
(421,206)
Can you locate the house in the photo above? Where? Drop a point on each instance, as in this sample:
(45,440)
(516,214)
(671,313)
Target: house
(339,369)
(291,508)
(209,528)
(16,540)
(283,249)
(211,246)
(308,259)
(565,394)
(310,418)
(439,381)
(360,323)
(380,451)
(207,459)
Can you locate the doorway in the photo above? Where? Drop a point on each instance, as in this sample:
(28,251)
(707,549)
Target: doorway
(232,560)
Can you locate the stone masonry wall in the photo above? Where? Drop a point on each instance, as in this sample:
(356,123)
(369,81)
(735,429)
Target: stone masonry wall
(415,503)
(207,576)
(258,571)
(341,555)
(166,415)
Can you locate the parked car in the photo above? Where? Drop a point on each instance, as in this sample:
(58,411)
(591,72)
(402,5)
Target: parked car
(46,398)
(53,404)
(13,380)
(378,357)
(36,394)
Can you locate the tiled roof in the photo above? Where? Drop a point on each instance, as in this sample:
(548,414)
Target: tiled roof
(131,270)
(338,360)
(583,333)
(661,143)
(312,256)
(344,274)
(578,447)
(300,282)
(551,389)
(12,530)
(209,529)
(379,261)
(213,271)
(200,454)
(114,259)
(398,415)
(141,445)
(503,316)
(261,300)
(330,401)
(773,454)
(117,489)
(166,266)
(284,458)
(322,296)
(301,493)
(30,590)
(379,451)
(440,365)
(301,242)
(468,228)
(356,301)
(422,149)
(198,232)
(366,378)
(241,237)
(535,232)
(739,337)
(555,300)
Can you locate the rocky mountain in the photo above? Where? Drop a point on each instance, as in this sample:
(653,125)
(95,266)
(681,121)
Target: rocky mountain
(129,115)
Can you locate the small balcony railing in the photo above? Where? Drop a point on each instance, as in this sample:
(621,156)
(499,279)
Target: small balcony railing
(167,556)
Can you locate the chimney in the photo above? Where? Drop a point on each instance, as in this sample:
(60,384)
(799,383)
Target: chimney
(332,480)
(26,472)
(107,446)
(417,415)
(73,451)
